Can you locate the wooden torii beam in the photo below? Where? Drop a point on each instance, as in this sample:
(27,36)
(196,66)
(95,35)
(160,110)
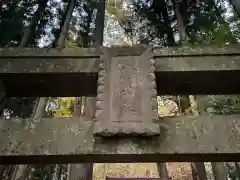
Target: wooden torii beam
(61,72)
(70,140)
(57,72)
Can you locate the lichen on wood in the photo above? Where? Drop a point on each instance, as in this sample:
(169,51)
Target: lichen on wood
(197,51)
(70,140)
(48,52)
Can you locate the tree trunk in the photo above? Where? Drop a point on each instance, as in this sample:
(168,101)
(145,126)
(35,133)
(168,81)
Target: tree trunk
(86,40)
(223,22)
(180,22)
(160,8)
(2,169)
(218,171)
(59,177)
(198,171)
(30,30)
(80,171)
(78,107)
(21,172)
(99,30)
(12,172)
(64,28)
(40,108)
(236,6)
(90,108)
(162,171)
(167,22)
(55,173)
(237,166)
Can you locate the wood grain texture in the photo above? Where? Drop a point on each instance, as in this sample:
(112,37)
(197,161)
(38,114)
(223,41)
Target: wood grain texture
(70,140)
(120,50)
(59,72)
(197,51)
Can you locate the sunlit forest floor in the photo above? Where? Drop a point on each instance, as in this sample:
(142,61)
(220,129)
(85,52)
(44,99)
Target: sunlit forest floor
(176,170)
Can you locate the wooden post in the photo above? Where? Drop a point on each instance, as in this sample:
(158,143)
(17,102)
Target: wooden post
(99,30)
(198,171)
(218,171)
(78,107)
(21,172)
(79,171)
(2,92)
(90,107)
(2,97)
(40,107)
(162,171)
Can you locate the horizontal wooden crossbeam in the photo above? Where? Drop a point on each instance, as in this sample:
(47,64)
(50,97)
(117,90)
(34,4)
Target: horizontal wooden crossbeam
(124,50)
(49,72)
(73,72)
(70,140)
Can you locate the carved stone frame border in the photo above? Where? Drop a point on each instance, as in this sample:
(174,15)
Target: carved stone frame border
(103,125)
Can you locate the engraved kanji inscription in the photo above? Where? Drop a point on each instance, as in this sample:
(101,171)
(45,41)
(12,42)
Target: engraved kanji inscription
(126,100)
(127,82)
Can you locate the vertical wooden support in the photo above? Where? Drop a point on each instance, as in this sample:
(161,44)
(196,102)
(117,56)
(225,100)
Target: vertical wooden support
(90,107)
(126,96)
(78,107)
(2,92)
(99,30)
(162,171)
(80,171)
(2,97)
(218,171)
(198,171)
(40,107)
(20,172)
(237,166)
(2,169)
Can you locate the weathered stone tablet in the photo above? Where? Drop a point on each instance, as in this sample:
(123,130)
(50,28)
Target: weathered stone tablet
(126,95)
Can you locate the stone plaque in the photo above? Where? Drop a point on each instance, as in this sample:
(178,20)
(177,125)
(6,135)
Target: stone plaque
(126,100)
